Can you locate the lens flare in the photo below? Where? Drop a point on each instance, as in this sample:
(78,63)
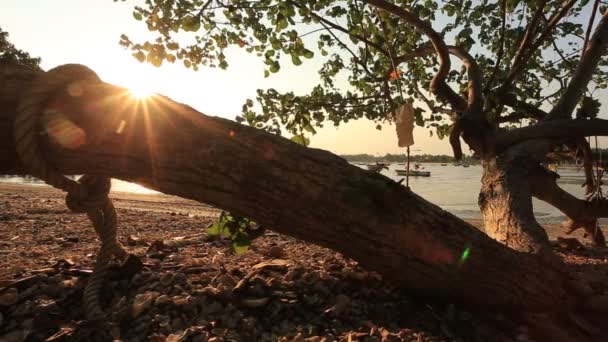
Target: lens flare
(465,255)
(140,91)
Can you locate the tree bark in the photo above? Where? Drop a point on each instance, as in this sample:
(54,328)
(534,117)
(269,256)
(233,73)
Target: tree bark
(307,193)
(505,201)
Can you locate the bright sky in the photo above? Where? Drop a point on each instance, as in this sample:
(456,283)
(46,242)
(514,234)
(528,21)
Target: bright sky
(88,31)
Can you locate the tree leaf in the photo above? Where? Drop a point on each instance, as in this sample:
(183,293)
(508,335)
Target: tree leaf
(140,56)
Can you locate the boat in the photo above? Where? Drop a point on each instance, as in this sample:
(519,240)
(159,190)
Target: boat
(413,173)
(443,164)
(465,165)
(377,167)
(457,164)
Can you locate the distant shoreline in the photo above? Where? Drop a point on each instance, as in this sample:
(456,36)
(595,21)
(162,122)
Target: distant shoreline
(400,158)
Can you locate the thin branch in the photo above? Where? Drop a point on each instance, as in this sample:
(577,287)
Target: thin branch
(337,27)
(582,144)
(429,103)
(501,49)
(584,72)
(530,34)
(438,85)
(590,26)
(517,69)
(524,109)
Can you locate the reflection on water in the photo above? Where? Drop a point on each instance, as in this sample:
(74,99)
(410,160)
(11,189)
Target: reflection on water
(453,188)
(117,184)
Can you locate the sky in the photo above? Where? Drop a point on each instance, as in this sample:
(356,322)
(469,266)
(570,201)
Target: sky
(87,32)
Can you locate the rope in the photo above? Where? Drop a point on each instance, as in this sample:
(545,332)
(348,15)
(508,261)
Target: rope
(87,195)
(399,88)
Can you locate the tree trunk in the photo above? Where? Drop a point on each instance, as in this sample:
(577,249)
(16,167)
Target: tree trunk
(307,193)
(505,201)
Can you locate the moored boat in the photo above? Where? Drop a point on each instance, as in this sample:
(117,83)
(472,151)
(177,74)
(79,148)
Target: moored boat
(413,173)
(377,167)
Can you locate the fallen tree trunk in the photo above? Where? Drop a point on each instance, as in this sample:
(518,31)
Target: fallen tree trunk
(306,193)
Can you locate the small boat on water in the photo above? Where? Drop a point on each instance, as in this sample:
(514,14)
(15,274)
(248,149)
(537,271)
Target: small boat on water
(413,173)
(443,164)
(377,167)
(465,165)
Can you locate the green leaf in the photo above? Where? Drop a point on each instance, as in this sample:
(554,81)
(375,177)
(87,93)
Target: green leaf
(137,16)
(275,67)
(141,57)
(190,23)
(295,59)
(240,249)
(216,228)
(308,54)
(309,128)
(300,139)
(241,243)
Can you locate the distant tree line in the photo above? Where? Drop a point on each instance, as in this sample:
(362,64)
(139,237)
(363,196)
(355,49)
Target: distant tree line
(398,158)
(601,154)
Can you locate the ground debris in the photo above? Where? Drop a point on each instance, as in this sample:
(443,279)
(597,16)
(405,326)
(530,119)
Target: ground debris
(181,285)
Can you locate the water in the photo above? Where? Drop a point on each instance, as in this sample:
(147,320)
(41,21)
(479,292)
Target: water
(117,184)
(456,188)
(453,188)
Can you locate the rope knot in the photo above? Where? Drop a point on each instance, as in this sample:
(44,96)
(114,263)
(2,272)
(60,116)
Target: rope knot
(92,194)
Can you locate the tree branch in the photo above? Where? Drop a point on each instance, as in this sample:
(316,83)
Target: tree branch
(501,50)
(526,110)
(553,21)
(529,36)
(596,3)
(583,73)
(172,148)
(581,213)
(438,85)
(475,96)
(338,27)
(554,129)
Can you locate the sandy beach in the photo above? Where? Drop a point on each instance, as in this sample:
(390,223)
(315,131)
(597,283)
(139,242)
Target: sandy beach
(194,288)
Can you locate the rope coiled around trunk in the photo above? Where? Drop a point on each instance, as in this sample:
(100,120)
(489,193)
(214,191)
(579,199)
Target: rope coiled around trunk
(87,195)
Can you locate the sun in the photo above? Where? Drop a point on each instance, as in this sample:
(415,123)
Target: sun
(140,91)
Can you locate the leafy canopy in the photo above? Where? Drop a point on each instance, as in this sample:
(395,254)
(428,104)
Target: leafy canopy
(368,64)
(9,54)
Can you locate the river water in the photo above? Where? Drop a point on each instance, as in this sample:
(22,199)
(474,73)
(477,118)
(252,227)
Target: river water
(453,188)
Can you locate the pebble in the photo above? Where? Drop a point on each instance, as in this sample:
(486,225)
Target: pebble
(255,302)
(166,279)
(162,320)
(162,300)
(276,252)
(9,297)
(142,302)
(13,336)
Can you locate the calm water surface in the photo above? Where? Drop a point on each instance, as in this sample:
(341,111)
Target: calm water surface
(456,188)
(453,188)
